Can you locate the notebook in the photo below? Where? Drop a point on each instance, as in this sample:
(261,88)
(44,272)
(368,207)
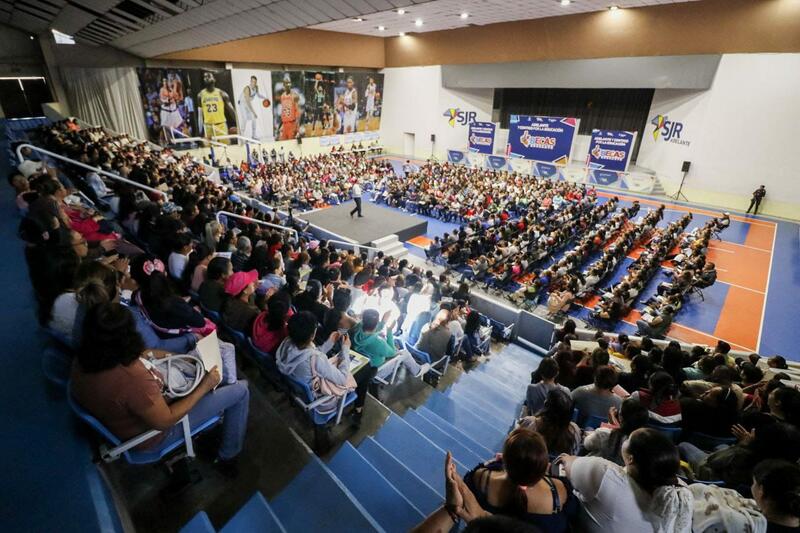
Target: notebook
(208,351)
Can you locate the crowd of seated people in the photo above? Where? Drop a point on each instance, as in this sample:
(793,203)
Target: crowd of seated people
(691,272)
(617,300)
(165,269)
(694,441)
(309,182)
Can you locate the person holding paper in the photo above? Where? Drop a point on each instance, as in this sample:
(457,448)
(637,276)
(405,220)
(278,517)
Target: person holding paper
(112,383)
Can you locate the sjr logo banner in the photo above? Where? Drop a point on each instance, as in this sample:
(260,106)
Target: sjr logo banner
(547,139)
(481,137)
(611,150)
(458,116)
(668,130)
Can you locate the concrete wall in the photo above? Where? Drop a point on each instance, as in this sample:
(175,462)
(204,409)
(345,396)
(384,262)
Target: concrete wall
(739,134)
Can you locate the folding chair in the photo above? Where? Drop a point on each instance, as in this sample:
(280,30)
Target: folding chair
(304,397)
(594,422)
(267,365)
(125,449)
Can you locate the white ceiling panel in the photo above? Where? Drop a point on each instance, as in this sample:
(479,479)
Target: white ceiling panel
(154,27)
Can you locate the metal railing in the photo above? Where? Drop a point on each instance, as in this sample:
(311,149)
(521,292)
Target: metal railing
(255,221)
(100,171)
(183,138)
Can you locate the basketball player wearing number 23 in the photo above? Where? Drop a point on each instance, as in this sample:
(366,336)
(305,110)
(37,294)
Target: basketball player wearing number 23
(215,108)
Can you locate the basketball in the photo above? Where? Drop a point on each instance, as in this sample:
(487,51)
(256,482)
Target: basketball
(318,76)
(265,102)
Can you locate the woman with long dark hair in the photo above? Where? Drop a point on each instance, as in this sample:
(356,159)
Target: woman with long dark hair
(555,424)
(519,484)
(271,326)
(112,382)
(607,443)
(661,399)
(642,495)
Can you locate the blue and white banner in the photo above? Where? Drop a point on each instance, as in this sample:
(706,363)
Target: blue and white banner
(611,150)
(496,162)
(481,137)
(456,157)
(606,178)
(546,170)
(546,139)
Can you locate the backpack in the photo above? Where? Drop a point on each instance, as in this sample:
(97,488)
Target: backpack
(322,387)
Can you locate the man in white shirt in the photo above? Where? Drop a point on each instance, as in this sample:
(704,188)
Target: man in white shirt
(356,191)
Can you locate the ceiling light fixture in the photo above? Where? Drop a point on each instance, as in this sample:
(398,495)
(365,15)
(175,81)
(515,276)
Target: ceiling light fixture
(381,28)
(358,19)
(418,22)
(401,11)
(566,2)
(402,34)
(465,15)
(613,8)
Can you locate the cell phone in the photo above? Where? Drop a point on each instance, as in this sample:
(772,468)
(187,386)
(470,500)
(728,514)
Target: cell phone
(342,331)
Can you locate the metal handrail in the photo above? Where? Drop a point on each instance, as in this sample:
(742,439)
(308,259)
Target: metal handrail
(105,173)
(184,139)
(255,220)
(353,244)
(238,137)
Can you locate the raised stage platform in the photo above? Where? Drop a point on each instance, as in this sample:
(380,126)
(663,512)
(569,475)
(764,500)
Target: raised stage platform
(378,222)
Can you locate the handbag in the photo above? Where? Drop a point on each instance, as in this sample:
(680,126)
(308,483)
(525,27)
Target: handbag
(179,374)
(322,387)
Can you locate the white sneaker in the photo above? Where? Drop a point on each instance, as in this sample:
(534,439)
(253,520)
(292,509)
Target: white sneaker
(423,369)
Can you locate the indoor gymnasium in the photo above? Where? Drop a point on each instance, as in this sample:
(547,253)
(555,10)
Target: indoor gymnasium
(400,265)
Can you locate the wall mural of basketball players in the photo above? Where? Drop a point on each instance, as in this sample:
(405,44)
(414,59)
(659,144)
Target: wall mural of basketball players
(319,116)
(290,102)
(357,101)
(253,90)
(186,102)
(215,110)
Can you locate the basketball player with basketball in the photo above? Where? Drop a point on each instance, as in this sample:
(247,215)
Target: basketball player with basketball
(369,95)
(350,101)
(247,103)
(319,104)
(290,111)
(215,108)
(170,115)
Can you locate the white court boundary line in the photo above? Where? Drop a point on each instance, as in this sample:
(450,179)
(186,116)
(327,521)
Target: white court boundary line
(766,293)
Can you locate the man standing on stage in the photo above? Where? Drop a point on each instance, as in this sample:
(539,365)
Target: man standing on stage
(356,191)
(758,195)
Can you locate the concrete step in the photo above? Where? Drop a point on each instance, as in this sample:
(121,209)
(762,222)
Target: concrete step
(385,241)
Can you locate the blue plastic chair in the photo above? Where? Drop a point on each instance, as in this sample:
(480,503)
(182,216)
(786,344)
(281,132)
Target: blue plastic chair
(304,397)
(594,422)
(707,442)
(674,433)
(214,316)
(266,363)
(125,449)
(56,365)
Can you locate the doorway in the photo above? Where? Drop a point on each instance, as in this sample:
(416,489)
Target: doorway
(408,144)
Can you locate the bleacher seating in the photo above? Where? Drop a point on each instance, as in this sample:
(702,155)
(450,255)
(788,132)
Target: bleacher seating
(390,481)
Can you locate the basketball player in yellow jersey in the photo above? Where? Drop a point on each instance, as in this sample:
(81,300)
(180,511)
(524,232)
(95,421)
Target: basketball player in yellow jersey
(215,108)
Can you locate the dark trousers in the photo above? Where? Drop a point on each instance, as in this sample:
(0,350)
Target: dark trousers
(357,208)
(363,379)
(754,202)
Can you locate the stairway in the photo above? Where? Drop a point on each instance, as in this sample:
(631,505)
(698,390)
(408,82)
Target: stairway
(390,246)
(392,480)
